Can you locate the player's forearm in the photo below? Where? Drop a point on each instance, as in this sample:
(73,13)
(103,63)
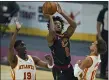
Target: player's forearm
(13,39)
(51,25)
(70,21)
(11,54)
(98,28)
(43,64)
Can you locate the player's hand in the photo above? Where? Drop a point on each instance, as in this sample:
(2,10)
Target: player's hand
(59,10)
(78,62)
(18,25)
(49,59)
(47,15)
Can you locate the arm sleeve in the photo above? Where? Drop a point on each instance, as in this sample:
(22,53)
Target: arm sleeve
(100,17)
(77,70)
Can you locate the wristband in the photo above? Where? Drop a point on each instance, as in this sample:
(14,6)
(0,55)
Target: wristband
(50,66)
(77,70)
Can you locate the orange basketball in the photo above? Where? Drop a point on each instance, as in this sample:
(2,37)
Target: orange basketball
(49,8)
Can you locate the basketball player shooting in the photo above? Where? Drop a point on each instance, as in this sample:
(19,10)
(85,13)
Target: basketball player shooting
(59,44)
(86,69)
(23,65)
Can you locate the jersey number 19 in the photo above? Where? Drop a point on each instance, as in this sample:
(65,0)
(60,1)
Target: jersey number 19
(27,75)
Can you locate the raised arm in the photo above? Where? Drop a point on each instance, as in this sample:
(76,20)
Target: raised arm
(11,56)
(72,27)
(51,35)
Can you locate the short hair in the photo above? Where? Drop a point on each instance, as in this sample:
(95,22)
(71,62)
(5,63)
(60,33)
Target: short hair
(101,46)
(17,43)
(56,18)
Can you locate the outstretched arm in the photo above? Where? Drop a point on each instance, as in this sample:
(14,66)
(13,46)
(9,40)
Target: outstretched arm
(72,27)
(11,56)
(39,62)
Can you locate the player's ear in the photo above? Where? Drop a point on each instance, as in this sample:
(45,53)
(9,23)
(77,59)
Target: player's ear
(17,48)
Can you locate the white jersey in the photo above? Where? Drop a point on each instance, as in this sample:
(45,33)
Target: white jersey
(89,73)
(24,70)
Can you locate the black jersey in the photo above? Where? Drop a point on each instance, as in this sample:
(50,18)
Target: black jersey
(101,16)
(61,50)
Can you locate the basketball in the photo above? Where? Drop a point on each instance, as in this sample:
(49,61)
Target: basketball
(49,8)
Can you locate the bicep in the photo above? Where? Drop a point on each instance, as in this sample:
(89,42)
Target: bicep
(86,63)
(11,56)
(69,32)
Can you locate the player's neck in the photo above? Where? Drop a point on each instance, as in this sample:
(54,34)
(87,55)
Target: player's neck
(58,32)
(24,57)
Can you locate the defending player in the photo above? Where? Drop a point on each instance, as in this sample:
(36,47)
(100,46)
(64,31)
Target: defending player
(23,65)
(86,69)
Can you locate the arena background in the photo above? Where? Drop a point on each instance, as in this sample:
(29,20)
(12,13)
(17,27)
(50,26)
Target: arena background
(34,31)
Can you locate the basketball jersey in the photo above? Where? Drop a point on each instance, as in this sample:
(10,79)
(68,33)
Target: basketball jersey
(89,73)
(24,70)
(61,50)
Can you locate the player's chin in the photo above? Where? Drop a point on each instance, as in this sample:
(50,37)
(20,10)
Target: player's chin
(24,51)
(90,48)
(59,30)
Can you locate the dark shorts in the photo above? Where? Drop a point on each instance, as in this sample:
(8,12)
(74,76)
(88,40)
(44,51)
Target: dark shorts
(63,72)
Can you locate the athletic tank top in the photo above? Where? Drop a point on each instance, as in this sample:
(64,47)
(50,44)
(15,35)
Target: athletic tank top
(61,50)
(89,73)
(24,70)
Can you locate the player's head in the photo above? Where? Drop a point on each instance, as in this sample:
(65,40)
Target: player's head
(99,46)
(20,47)
(58,24)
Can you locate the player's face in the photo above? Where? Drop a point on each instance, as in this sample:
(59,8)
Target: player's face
(21,48)
(93,47)
(58,26)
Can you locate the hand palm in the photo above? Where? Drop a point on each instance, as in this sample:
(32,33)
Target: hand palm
(18,25)
(59,10)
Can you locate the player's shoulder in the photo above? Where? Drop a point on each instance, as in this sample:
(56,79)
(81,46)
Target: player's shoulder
(89,58)
(103,10)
